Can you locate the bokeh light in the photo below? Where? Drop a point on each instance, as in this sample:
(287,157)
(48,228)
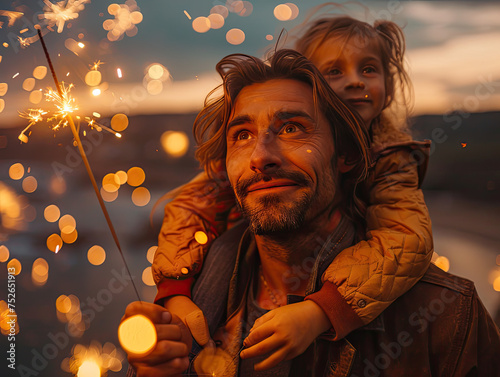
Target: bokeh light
(96,255)
(70,237)
(295,10)
(14,267)
(496,284)
(51,213)
(151,254)
(94,360)
(29,84)
(443,263)
(122,176)
(16,171)
(141,196)
(12,207)
(220,9)
(57,185)
(67,224)
(119,122)
(245,9)
(135,176)
(4,87)
(30,184)
(54,242)
(63,304)
(147,277)
(126,17)
(110,182)
(40,72)
(235,36)
(40,272)
(89,368)
(137,335)
(201,24)
(6,316)
(4,253)
(175,143)
(282,12)
(201,237)
(155,71)
(36,97)
(108,196)
(216,20)
(154,87)
(93,78)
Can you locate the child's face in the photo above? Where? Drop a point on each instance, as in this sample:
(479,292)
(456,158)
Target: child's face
(354,71)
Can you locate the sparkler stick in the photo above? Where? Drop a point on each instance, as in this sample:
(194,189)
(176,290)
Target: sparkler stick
(87,165)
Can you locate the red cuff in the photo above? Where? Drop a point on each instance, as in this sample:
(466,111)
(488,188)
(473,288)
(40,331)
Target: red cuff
(341,315)
(173,287)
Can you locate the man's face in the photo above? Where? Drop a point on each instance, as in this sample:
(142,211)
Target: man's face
(279,156)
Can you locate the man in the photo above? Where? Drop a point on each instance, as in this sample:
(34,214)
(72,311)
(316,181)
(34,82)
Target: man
(294,153)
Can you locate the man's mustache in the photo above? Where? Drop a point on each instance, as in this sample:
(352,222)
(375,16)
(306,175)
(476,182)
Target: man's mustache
(243,185)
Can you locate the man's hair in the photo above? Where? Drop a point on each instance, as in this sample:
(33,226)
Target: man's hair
(350,137)
(389,40)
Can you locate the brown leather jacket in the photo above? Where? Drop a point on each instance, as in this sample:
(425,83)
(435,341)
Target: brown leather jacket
(365,278)
(438,328)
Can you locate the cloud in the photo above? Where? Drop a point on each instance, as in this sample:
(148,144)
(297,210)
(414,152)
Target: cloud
(445,76)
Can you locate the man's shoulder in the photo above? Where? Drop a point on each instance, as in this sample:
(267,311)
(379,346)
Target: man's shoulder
(438,278)
(439,295)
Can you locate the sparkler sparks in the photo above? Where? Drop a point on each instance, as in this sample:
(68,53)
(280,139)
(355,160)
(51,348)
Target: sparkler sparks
(34,116)
(96,65)
(62,11)
(13,16)
(64,103)
(99,127)
(23,42)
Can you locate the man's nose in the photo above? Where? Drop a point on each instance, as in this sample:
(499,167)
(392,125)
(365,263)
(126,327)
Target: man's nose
(265,157)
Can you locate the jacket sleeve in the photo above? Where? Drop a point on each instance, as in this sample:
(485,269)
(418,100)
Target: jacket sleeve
(204,205)
(398,248)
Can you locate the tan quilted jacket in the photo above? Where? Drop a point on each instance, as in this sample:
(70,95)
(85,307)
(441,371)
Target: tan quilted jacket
(369,275)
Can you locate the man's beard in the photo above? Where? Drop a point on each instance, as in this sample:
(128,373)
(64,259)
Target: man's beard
(270,214)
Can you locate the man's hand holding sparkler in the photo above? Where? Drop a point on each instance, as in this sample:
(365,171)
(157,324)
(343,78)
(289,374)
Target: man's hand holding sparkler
(170,354)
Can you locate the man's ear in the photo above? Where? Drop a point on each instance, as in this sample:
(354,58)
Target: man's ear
(342,166)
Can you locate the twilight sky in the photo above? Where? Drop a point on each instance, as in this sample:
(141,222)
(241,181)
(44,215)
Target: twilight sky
(453,51)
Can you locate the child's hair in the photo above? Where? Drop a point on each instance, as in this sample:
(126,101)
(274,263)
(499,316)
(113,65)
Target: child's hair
(391,124)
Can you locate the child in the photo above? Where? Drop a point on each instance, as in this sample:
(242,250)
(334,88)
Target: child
(364,65)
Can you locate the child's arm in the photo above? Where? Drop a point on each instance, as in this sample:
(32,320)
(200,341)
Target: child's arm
(366,278)
(202,205)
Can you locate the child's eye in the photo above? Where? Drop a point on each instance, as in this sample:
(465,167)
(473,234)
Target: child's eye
(333,72)
(369,69)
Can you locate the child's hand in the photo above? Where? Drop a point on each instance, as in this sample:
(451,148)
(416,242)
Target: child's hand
(192,316)
(285,333)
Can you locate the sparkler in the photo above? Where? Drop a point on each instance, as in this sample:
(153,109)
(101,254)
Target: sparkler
(65,105)
(62,11)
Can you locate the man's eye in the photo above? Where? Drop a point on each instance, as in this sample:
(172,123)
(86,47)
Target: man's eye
(289,128)
(243,135)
